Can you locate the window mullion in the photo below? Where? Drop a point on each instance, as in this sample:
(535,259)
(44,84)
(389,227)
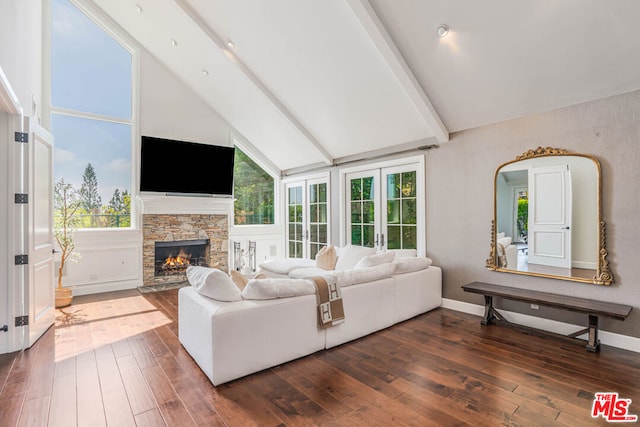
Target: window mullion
(87,115)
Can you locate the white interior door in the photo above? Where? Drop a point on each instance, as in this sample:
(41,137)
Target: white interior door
(550,216)
(40,299)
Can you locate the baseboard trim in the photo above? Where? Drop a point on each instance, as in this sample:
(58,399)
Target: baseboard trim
(99,288)
(608,338)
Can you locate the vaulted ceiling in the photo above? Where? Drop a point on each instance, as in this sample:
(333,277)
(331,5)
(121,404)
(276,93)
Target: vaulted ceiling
(311,82)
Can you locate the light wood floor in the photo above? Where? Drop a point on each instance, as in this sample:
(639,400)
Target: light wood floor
(115,359)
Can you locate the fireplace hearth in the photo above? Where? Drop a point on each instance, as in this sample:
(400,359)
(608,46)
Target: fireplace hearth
(174,257)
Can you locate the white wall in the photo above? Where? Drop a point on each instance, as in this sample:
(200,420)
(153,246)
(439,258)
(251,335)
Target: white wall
(21,50)
(169,109)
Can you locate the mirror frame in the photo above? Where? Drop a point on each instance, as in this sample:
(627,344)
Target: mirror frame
(603,276)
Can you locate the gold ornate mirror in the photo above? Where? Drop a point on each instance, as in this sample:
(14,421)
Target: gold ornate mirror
(547,217)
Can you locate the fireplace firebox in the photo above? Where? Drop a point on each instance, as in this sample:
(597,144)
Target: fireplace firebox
(173,258)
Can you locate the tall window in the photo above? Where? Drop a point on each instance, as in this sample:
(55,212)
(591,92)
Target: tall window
(253,190)
(91,116)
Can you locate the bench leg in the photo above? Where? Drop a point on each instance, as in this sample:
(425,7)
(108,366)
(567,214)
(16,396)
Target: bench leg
(593,345)
(490,313)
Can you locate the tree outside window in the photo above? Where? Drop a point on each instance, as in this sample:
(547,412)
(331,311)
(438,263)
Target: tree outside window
(253,190)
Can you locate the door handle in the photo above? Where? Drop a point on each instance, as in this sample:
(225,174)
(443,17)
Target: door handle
(54,251)
(382,241)
(565,228)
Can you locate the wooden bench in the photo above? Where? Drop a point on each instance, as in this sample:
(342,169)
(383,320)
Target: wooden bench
(580,305)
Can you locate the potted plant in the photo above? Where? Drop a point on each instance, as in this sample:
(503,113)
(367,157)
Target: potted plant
(67,203)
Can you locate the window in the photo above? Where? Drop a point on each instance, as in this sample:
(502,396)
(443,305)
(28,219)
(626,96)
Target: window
(385,206)
(307,217)
(91,116)
(253,190)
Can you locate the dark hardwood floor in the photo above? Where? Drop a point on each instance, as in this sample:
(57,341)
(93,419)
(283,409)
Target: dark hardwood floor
(115,359)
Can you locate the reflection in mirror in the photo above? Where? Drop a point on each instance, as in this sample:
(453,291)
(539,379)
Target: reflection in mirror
(547,217)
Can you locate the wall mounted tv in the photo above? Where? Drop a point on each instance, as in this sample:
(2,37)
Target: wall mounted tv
(180,167)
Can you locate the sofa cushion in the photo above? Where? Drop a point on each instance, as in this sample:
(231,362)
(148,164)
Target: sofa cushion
(364,274)
(350,255)
(404,253)
(376,259)
(277,288)
(326,258)
(213,283)
(303,273)
(284,266)
(408,265)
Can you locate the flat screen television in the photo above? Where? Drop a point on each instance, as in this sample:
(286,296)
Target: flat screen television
(180,167)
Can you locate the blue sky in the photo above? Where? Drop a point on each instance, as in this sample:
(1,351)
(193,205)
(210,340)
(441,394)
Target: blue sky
(91,72)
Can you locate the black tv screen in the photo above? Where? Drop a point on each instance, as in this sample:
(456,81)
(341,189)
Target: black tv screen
(170,166)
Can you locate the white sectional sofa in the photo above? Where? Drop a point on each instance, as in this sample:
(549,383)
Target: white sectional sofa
(229,340)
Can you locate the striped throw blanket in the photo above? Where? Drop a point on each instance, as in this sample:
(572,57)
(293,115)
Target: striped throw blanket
(329,298)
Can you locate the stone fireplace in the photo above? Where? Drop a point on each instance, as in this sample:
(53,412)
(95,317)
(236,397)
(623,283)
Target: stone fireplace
(172,242)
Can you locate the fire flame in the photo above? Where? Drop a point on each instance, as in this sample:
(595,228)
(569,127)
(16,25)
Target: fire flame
(179,262)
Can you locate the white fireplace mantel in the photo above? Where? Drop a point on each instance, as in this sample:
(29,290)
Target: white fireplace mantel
(165,204)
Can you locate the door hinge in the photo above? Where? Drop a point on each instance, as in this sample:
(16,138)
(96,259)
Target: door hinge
(21,137)
(22,321)
(22,198)
(22,259)
(5,328)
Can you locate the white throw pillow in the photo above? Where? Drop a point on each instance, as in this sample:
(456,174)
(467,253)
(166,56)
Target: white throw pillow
(277,288)
(377,259)
(505,241)
(408,265)
(213,283)
(350,255)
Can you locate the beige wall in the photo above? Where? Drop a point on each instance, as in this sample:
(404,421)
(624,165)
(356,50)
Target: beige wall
(460,195)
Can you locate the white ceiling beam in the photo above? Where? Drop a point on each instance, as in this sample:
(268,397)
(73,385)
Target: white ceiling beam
(378,33)
(215,38)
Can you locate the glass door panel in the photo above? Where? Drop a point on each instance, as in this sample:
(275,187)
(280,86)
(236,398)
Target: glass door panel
(295,236)
(362,209)
(401,206)
(317,217)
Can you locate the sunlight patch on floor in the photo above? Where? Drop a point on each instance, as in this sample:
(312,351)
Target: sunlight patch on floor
(85,326)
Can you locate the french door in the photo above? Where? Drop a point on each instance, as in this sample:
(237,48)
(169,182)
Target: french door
(385,207)
(307,217)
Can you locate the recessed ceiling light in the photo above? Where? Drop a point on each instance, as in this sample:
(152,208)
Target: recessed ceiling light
(174,42)
(231,44)
(139,8)
(442,30)
(205,72)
